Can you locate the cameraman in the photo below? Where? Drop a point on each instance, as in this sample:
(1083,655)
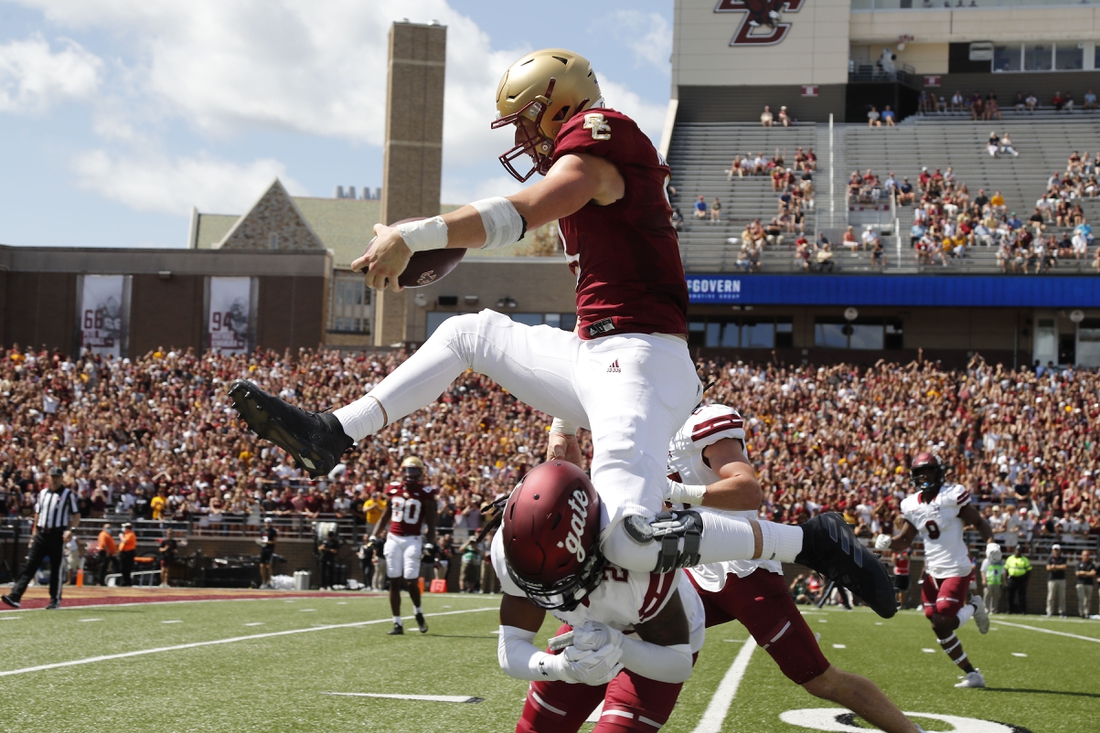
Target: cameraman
(329,548)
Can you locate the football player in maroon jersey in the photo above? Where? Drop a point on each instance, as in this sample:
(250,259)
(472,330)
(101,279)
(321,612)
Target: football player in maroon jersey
(410,512)
(625,373)
(708,467)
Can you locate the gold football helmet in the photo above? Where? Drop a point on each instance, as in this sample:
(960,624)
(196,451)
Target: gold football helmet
(413,468)
(538,94)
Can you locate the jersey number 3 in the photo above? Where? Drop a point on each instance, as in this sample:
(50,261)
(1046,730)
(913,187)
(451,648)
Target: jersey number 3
(933,530)
(407,511)
(597,123)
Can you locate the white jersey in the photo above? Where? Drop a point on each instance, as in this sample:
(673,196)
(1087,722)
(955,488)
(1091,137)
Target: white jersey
(706,426)
(623,600)
(945,552)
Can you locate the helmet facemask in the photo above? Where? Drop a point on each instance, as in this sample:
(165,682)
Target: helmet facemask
(927,479)
(567,593)
(531,140)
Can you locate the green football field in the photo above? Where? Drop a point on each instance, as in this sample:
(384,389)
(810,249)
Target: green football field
(308,664)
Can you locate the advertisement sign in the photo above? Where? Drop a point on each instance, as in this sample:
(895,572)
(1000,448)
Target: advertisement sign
(228,320)
(976,291)
(102,314)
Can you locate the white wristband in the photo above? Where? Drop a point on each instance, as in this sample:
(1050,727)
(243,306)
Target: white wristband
(503,224)
(557,425)
(424,234)
(679,493)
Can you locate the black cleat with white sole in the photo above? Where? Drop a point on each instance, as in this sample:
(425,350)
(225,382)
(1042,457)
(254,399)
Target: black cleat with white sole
(397,630)
(421,623)
(830,548)
(316,440)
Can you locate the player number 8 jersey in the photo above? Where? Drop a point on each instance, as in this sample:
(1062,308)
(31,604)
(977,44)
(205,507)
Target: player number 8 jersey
(945,552)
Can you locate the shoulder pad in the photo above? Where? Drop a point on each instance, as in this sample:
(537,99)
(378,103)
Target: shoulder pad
(955,495)
(711,423)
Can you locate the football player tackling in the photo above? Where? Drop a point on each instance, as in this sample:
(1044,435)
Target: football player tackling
(938,513)
(708,468)
(629,638)
(625,373)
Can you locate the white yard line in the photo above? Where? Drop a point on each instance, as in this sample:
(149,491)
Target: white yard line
(1047,631)
(428,698)
(216,642)
(715,713)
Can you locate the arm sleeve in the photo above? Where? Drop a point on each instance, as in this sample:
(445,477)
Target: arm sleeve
(521,659)
(670,664)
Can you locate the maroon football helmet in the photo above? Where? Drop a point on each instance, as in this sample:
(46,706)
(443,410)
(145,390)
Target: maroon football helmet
(551,536)
(926,474)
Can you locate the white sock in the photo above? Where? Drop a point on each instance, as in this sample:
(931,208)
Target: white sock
(361,418)
(965,613)
(397,620)
(416,609)
(782,542)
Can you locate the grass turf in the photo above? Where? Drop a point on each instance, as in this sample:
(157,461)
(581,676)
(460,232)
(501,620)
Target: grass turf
(276,682)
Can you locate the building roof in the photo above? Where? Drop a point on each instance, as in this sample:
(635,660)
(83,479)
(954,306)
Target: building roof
(346,226)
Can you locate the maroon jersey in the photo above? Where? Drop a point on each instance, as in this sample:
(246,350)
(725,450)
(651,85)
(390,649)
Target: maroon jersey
(407,500)
(626,256)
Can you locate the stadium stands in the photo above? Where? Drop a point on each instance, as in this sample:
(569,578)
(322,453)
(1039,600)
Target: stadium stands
(821,437)
(700,152)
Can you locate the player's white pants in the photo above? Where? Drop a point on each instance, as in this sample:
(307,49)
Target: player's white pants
(632,391)
(402,556)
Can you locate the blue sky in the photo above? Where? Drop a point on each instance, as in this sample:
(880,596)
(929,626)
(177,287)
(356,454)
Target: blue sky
(117,116)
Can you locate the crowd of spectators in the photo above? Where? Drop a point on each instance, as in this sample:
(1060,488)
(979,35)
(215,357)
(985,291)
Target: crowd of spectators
(948,221)
(157,437)
(985,106)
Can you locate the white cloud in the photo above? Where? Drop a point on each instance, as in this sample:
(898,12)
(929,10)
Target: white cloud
(647,35)
(156,182)
(228,69)
(33,78)
(650,117)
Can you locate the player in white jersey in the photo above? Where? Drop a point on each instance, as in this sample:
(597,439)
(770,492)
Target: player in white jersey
(938,513)
(630,638)
(708,468)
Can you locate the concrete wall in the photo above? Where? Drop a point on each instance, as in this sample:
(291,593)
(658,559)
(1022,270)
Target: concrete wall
(38,296)
(957,25)
(725,103)
(814,51)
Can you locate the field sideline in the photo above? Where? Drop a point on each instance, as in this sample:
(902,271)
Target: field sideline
(304,662)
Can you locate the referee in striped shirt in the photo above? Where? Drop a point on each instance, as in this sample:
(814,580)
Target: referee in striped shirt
(54,513)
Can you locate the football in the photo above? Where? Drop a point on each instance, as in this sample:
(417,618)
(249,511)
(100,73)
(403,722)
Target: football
(426,267)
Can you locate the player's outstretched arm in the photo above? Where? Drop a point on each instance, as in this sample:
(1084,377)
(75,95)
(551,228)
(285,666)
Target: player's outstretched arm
(974,518)
(574,181)
(898,542)
(738,488)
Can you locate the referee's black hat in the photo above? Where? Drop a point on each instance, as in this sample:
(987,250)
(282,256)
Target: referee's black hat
(57,471)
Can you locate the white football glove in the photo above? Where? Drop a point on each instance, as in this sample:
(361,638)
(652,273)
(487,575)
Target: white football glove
(681,493)
(594,635)
(882,542)
(592,667)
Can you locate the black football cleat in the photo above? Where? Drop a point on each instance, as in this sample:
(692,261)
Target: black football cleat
(830,548)
(421,623)
(316,440)
(397,630)
(53,605)
(12,601)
